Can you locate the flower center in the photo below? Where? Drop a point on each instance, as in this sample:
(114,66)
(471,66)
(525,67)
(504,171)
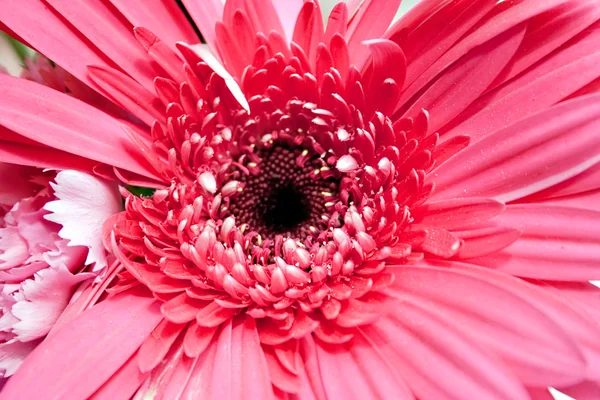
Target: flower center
(286,194)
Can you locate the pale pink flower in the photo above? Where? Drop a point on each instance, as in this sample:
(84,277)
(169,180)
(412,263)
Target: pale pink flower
(342,212)
(41,261)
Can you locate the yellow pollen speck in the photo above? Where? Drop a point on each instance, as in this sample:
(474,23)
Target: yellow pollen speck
(304,152)
(327,193)
(252,164)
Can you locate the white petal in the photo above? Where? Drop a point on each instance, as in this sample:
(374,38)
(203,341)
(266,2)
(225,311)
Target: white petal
(84,203)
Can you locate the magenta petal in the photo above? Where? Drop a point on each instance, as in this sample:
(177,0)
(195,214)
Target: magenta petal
(526,157)
(206,14)
(80,357)
(57,120)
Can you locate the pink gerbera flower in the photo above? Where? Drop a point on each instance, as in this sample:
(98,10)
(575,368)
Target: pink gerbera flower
(341,212)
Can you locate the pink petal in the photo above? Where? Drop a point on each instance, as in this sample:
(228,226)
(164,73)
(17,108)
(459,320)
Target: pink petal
(583,330)
(55,119)
(450,44)
(493,316)
(556,243)
(588,180)
(417,342)
(535,90)
(86,352)
(84,204)
(369,20)
(164,18)
(104,26)
(288,11)
(548,31)
(456,88)
(123,384)
(458,213)
(157,345)
(372,376)
(233,367)
(127,93)
(44,299)
(583,391)
(12,355)
(15,183)
(43,157)
(206,14)
(58,41)
(529,156)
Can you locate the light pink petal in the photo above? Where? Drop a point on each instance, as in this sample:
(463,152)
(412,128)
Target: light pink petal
(437,360)
(556,243)
(496,318)
(369,19)
(13,248)
(44,299)
(233,367)
(556,306)
(57,120)
(456,88)
(106,28)
(528,156)
(123,384)
(83,204)
(206,14)
(582,296)
(58,41)
(164,18)
(358,370)
(288,11)
(12,355)
(544,85)
(79,358)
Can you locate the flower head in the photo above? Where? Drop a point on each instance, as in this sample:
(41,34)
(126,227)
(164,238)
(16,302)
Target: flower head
(338,210)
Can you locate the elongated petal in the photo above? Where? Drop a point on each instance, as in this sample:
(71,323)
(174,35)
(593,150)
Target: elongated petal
(372,376)
(456,88)
(58,41)
(79,358)
(556,243)
(206,14)
(233,367)
(362,25)
(529,156)
(412,343)
(164,18)
(545,84)
(123,384)
(57,120)
(538,350)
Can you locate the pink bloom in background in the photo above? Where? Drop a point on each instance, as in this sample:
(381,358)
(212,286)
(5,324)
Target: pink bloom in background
(341,212)
(40,262)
